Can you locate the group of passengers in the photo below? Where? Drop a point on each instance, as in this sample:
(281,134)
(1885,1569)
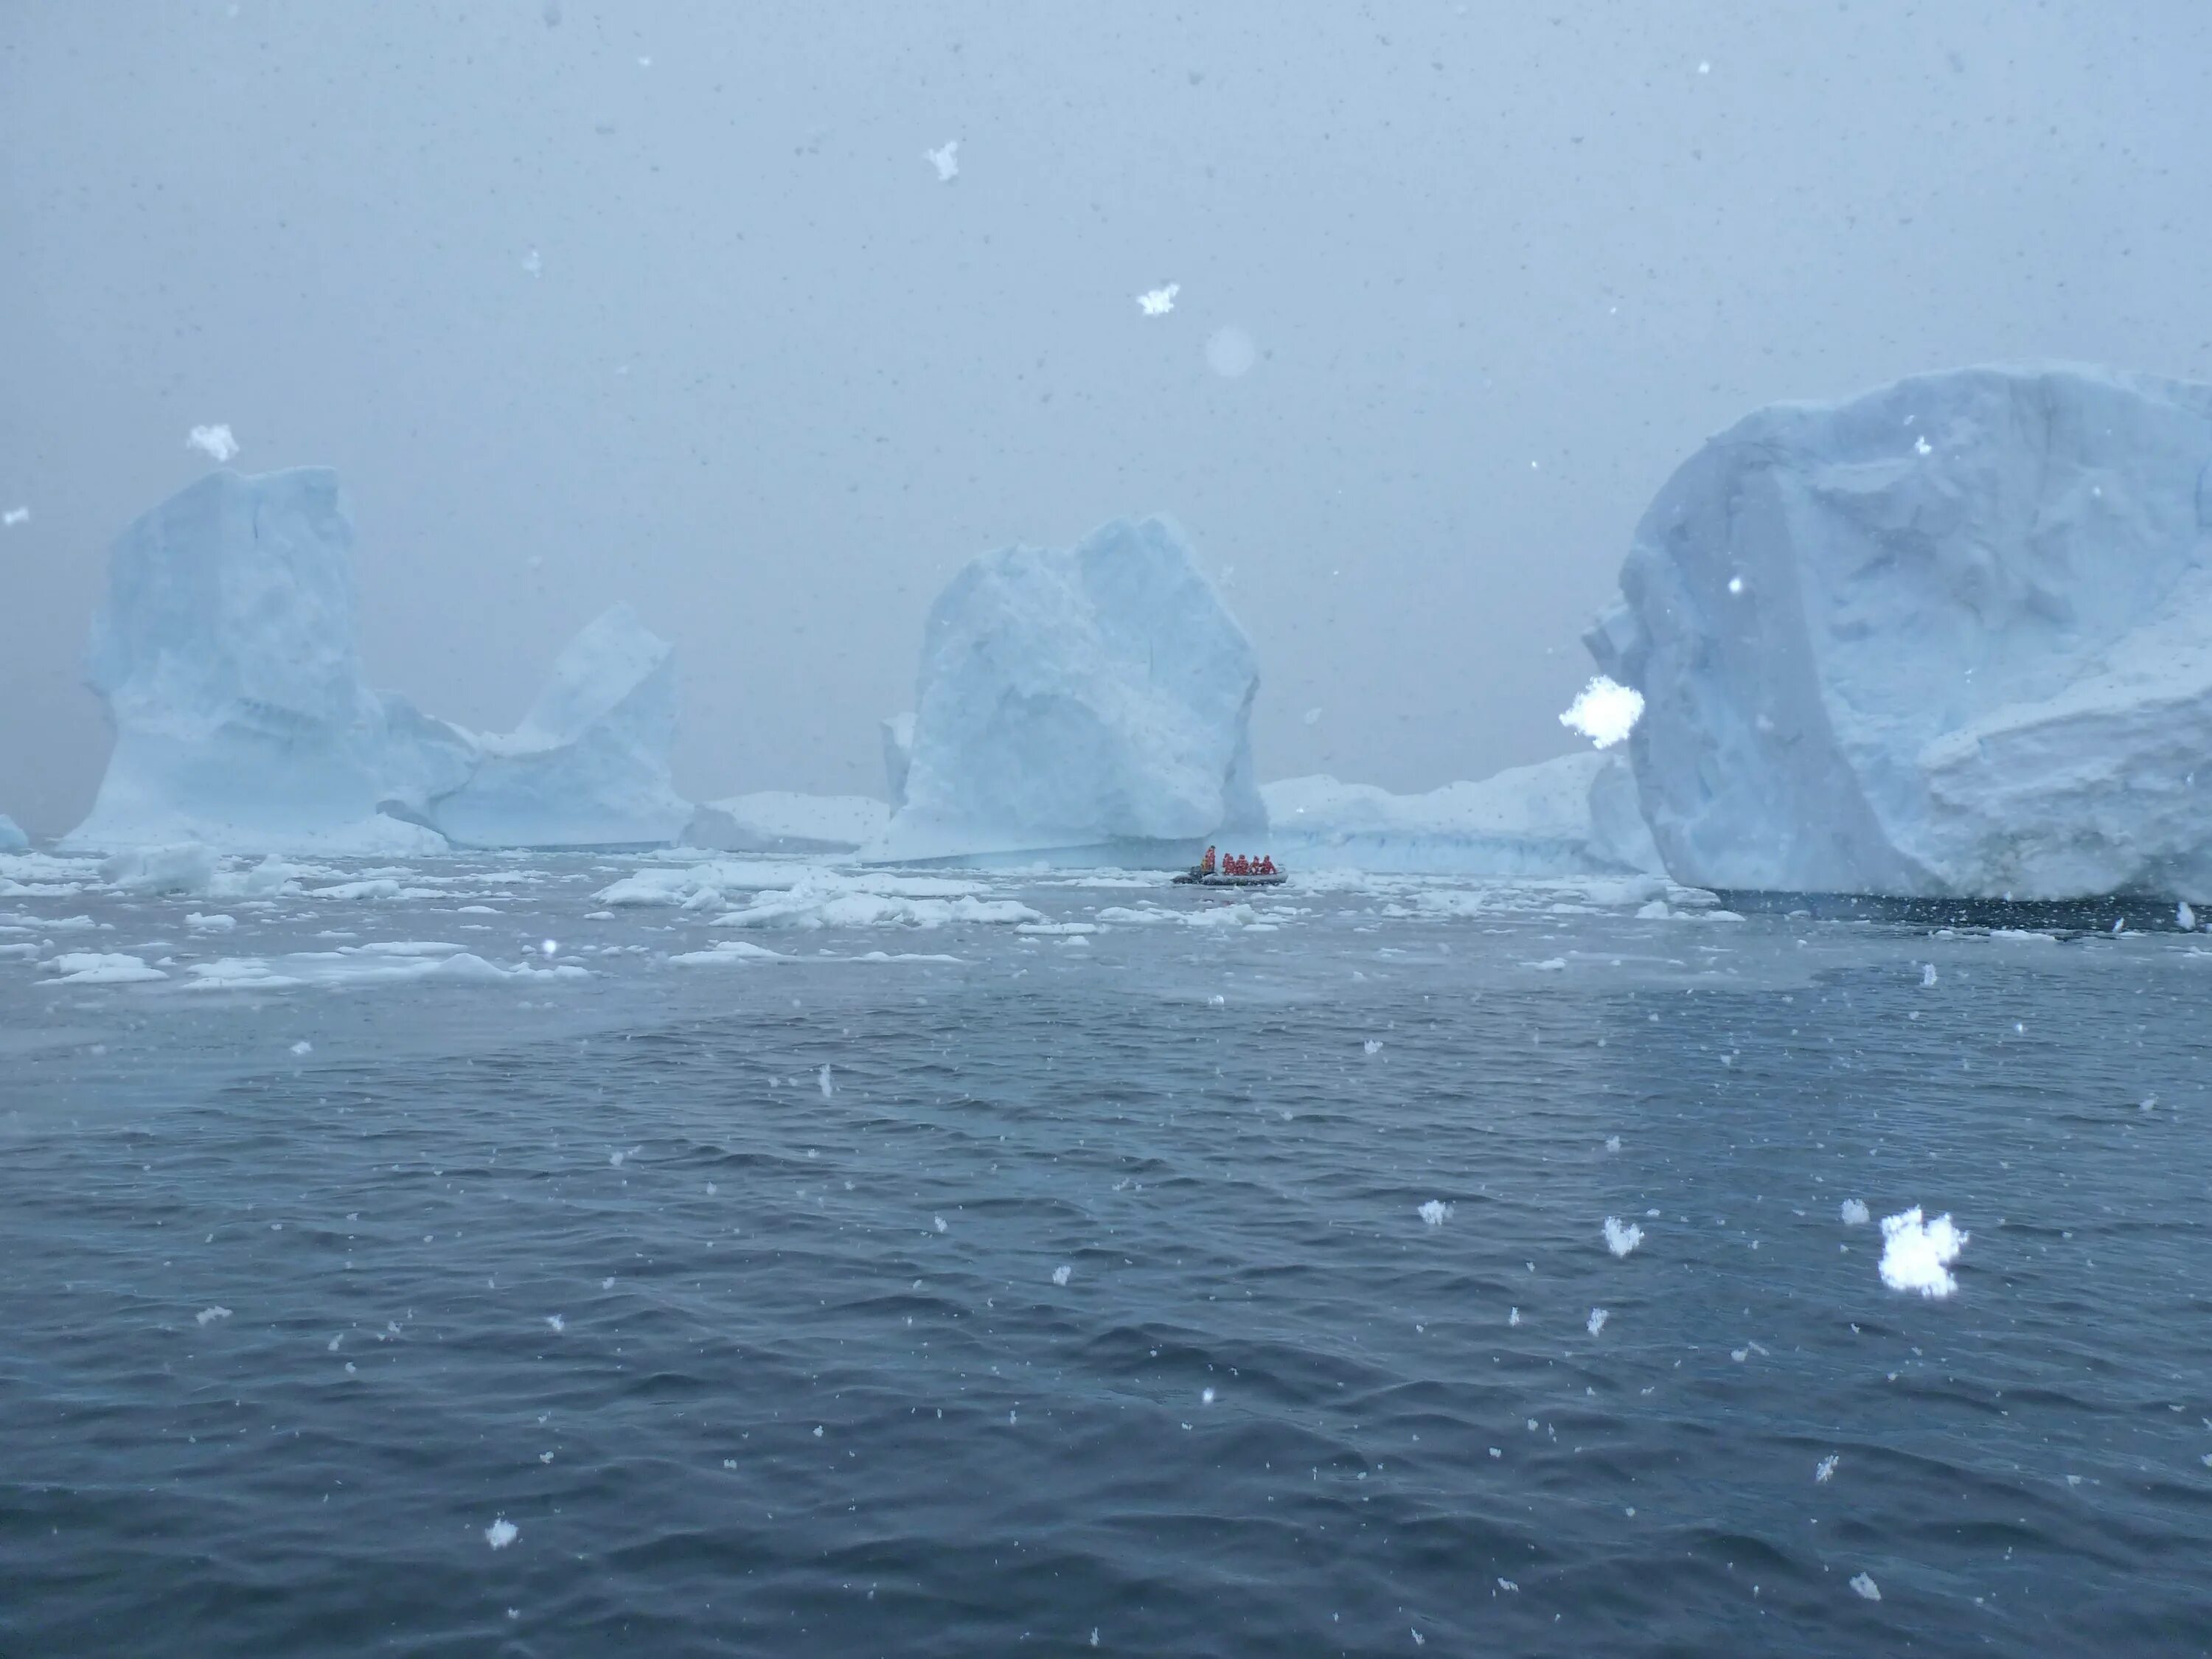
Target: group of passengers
(1236,864)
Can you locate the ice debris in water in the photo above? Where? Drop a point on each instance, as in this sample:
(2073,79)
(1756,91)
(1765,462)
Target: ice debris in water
(2185,918)
(558,1324)
(822,1077)
(1507,1584)
(939,1221)
(1917,1255)
(1604,712)
(1864,1584)
(1372,1046)
(501,1533)
(1205,1397)
(1621,1237)
(1596,1320)
(1927,973)
(215,441)
(946,159)
(303,1047)
(1434,1211)
(1513,1316)
(1061,1275)
(1855,1214)
(209,1316)
(1613,1143)
(1825,1470)
(1158,301)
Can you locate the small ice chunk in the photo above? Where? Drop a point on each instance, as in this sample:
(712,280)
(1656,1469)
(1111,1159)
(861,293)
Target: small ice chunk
(939,1221)
(1865,1586)
(1604,712)
(557,1322)
(303,1047)
(501,1533)
(822,1077)
(1507,1584)
(1855,1214)
(215,441)
(2185,918)
(946,159)
(1825,1470)
(1062,1273)
(1158,301)
(1434,1211)
(1927,973)
(1205,1397)
(209,1316)
(1513,1316)
(1372,1046)
(1597,1319)
(1613,1143)
(1917,1255)
(1621,1237)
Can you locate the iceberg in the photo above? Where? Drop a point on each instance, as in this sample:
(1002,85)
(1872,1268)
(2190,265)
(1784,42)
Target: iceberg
(774,821)
(1950,638)
(1092,699)
(225,653)
(589,766)
(1575,815)
(12,838)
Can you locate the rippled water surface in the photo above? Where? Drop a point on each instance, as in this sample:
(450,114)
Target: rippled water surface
(1057,1290)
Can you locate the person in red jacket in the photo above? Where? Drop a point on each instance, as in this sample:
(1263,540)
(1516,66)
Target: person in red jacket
(1267,865)
(1238,867)
(1205,864)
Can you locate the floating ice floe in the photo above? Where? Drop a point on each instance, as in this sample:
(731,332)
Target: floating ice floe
(724,952)
(501,1533)
(1864,1584)
(1621,1237)
(1825,1470)
(1917,1255)
(392,962)
(1855,1214)
(1434,1211)
(1596,1322)
(209,1316)
(101,968)
(1061,1275)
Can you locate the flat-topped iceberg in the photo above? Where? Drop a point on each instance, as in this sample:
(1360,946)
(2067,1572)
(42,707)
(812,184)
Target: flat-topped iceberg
(1093,697)
(224,653)
(1953,637)
(589,766)
(776,821)
(1575,815)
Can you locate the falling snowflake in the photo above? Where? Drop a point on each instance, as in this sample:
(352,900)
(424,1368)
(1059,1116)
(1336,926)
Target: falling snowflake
(1604,712)
(216,440)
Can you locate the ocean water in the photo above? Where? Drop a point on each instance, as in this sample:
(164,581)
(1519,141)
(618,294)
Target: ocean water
(1221,1280)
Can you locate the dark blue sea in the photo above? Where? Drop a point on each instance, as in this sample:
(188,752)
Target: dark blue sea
(926,1279)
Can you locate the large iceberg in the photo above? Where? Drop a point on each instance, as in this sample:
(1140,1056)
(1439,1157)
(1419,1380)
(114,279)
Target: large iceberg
(12,838)
(225,653)
(1953,637)
(589,766)
(1096,699)
(1575,815)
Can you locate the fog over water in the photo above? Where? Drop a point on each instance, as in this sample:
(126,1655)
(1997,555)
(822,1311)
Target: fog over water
(671,304)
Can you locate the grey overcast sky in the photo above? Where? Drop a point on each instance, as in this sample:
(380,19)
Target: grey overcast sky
(664,303)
